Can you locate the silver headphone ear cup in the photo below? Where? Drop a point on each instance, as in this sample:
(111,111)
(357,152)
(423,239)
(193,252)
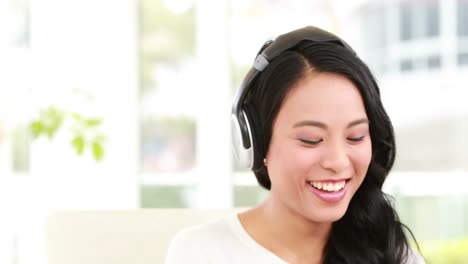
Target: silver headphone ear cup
(249,154)
(242,154)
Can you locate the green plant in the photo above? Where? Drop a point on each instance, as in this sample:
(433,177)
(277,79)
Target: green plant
(85,130)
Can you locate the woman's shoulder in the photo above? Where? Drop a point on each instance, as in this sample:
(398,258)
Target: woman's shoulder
(206,231)
(189,244)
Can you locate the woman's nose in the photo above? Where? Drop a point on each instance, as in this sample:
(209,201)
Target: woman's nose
(335,157)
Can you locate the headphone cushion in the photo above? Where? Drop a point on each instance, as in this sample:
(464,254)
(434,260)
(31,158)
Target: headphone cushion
(258,152)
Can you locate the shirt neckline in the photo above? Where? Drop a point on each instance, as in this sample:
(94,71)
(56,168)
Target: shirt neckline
(249,241)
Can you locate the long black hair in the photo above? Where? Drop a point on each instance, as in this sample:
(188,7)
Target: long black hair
(370,231)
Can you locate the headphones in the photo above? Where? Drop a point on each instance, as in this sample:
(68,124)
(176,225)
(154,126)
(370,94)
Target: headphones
(243,119)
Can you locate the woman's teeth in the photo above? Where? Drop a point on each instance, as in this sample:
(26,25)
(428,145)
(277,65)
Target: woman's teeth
(330,187)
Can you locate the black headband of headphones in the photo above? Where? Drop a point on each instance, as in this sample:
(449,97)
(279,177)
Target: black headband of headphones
(269,51)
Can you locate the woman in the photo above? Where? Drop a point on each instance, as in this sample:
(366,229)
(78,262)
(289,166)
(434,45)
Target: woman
(311,125)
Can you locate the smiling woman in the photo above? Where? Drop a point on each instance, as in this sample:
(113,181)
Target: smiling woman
(313,140)
(312,127)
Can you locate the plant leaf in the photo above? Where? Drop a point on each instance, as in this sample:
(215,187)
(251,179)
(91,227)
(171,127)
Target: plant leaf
(98,151)
(36,128)
(78,143)
(93,122)
(76,116)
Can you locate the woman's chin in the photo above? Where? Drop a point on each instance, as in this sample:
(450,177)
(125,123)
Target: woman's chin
(326,215)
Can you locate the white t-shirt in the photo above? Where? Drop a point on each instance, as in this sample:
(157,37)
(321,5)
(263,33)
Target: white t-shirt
(226,241)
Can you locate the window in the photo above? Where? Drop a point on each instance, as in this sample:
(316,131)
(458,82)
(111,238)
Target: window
(419,19)
(462,59)
(166,196)
(406,65)
(432,19)
(406,22)
(14,41)
(422,63)
(168,127)
(433,62)
(168,144)
(20,139)
(462,17)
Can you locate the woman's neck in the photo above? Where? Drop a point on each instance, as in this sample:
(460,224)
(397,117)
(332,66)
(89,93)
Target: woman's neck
(286,233)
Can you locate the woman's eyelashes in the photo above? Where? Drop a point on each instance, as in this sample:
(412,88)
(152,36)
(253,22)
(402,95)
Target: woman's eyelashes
(316,142)
(356,139)
(311,142)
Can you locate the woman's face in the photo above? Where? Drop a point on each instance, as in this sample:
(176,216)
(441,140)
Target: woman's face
(320,147)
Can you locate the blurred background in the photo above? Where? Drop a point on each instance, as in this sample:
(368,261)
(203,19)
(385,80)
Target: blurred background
(126,104)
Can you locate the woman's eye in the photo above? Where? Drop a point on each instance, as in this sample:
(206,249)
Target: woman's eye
(355,139)
(311,142)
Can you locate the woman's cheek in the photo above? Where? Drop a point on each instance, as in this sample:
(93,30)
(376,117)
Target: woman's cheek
(362,158)
(304,158)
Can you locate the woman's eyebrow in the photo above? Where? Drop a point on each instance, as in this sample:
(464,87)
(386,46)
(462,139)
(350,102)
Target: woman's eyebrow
(310,123)
(324,126)
(357,122)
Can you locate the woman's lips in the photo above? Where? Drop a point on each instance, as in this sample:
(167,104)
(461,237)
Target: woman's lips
(329,191)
